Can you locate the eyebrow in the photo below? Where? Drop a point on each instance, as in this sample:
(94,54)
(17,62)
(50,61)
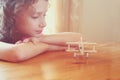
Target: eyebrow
(39,13)
(34,11)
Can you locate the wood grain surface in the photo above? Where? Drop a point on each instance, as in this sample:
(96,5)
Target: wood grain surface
(60,65)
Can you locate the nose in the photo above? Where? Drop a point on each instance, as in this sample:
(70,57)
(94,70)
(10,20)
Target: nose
(42,24)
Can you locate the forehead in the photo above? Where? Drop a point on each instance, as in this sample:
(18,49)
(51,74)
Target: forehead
(41,5)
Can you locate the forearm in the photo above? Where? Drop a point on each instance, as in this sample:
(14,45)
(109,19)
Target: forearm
(56,48)
(20,52)
(24,51)
(60,38)
(29,50)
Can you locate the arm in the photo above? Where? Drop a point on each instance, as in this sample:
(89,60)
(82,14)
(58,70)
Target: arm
(20,52)
(60,38)
(24,51)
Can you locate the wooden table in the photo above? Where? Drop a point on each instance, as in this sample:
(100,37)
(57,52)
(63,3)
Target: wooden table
(103,65)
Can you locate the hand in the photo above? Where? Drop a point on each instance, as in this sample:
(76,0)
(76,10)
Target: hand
(34,40)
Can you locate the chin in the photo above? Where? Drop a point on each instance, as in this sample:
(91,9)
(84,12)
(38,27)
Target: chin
(37,35)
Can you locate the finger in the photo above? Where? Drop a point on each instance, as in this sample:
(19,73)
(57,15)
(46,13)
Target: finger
(26,40)
(18,42)
(34,40)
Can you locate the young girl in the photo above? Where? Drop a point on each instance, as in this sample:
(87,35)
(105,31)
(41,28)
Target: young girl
(21,35)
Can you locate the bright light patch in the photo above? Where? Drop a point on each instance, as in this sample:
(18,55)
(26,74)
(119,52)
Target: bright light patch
(51,18)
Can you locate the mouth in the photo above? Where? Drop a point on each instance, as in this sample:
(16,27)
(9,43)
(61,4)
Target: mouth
(39,31)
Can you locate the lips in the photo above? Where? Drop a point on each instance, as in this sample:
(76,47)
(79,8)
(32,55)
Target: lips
(38,31)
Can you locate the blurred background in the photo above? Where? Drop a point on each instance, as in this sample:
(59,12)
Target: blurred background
(97,20)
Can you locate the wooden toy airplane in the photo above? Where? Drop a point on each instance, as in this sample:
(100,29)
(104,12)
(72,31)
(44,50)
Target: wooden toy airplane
(80,50)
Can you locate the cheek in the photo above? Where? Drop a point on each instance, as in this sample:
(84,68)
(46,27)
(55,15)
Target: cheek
(26,24)
(31,23)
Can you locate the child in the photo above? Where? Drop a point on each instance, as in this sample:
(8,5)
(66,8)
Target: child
(21,37)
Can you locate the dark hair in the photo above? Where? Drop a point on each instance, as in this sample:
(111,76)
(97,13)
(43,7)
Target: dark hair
(10,8)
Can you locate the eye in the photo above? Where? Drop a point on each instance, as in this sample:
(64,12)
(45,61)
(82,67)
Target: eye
(35,16)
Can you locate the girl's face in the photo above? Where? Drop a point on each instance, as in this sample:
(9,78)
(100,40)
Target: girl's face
(31,22)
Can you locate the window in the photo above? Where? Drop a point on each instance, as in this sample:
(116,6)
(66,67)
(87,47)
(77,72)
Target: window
(51,18)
